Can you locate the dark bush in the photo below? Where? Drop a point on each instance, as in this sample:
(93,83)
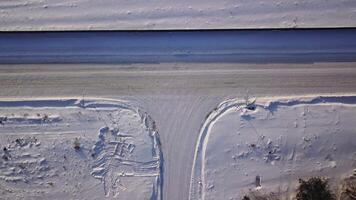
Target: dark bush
(348,189)
(316,188)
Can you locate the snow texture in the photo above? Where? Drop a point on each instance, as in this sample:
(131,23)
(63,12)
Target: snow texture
(78,149)
(21,15)
(268,146)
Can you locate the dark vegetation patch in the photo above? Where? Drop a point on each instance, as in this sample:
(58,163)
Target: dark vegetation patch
(315,188)
(348,189)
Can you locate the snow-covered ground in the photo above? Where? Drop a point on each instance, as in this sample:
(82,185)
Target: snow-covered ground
(178,96)
(75,149)
(20,15)
(270,144)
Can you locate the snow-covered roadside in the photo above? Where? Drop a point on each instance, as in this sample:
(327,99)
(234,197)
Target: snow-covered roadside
(276,141)
(21,15)
(75,149)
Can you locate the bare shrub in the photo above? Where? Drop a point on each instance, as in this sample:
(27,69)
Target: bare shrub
(315,188)
(348,189)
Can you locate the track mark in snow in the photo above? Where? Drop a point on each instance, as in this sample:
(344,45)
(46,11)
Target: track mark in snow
(52,147)
(278,142)
(115,160)
(20,164)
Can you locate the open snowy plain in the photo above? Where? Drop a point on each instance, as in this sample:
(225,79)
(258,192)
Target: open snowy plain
(174,130)
(20,15)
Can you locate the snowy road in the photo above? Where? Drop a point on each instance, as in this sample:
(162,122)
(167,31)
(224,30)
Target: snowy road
(247,46)
(178,95)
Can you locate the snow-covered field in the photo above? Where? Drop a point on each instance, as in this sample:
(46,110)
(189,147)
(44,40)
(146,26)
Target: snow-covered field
(20,15)
(102,145)
(178,96)
(78,149)
(270,144)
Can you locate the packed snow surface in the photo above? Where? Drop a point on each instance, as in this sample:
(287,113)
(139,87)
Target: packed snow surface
(78,149)
(269,145)
(178,96)
(20,15)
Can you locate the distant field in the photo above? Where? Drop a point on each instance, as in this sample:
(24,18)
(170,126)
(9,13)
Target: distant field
(38,15)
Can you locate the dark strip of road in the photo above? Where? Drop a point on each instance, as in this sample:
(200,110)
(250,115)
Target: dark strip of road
(230,46)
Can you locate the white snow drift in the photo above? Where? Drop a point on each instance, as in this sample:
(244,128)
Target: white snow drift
(20,15)
(71,149)
(268,146)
